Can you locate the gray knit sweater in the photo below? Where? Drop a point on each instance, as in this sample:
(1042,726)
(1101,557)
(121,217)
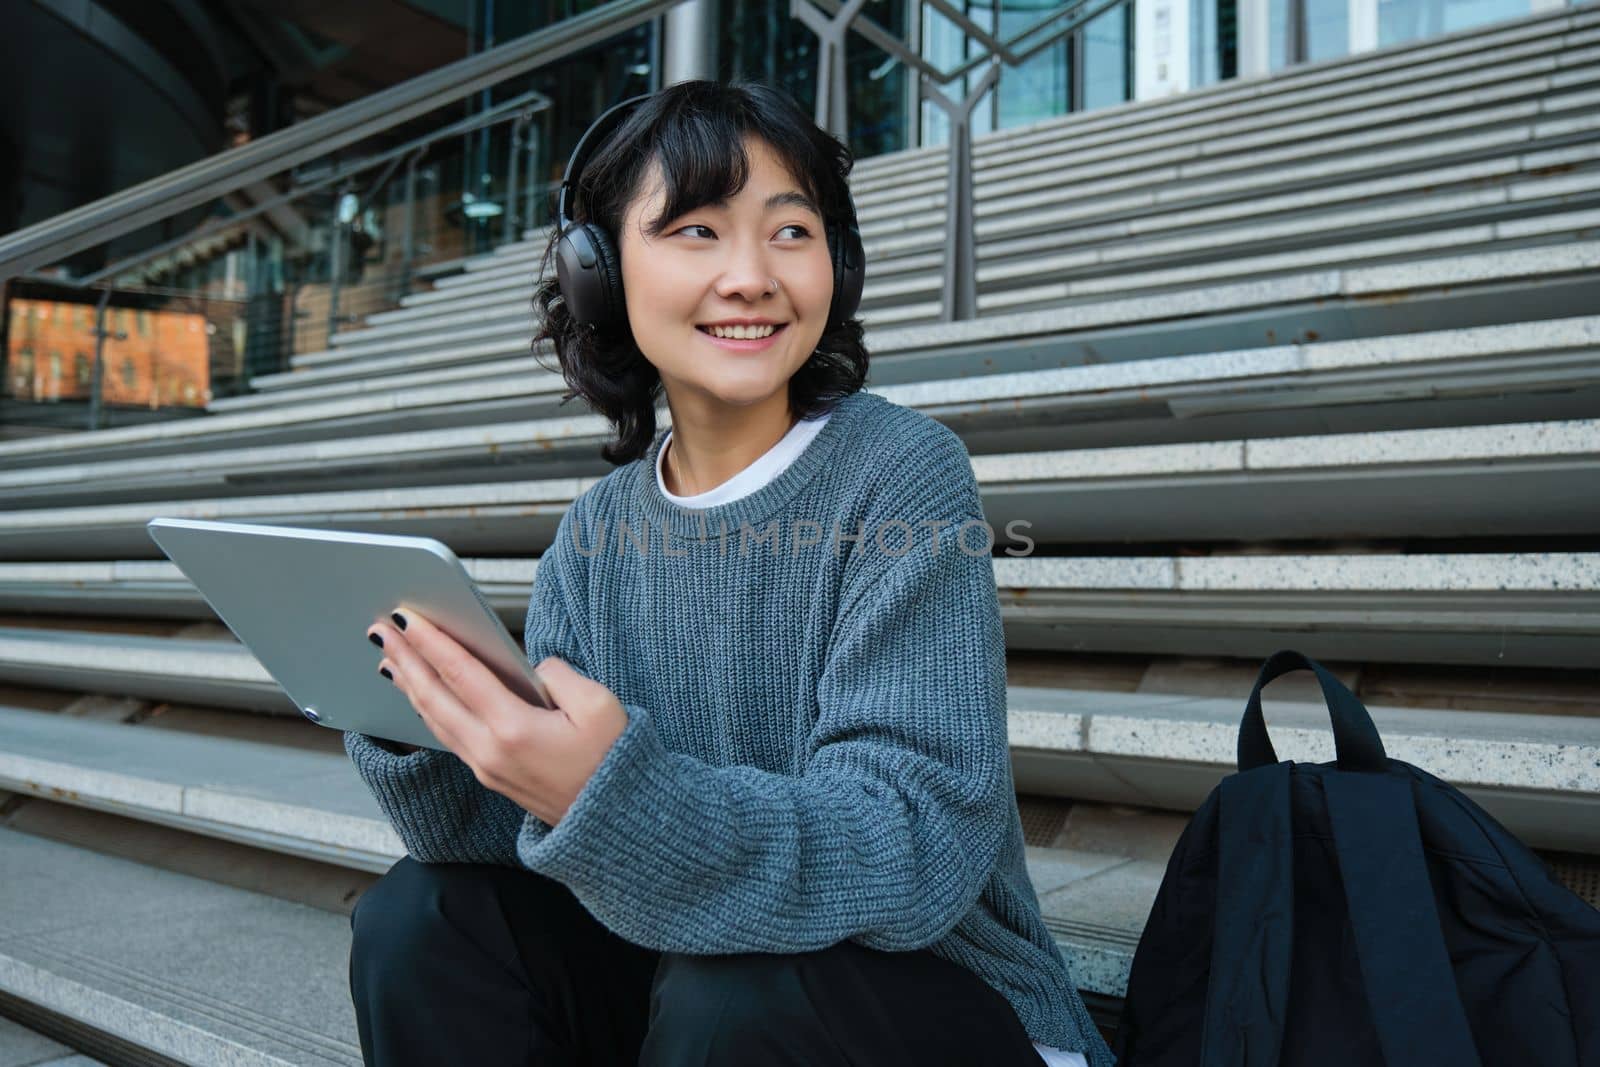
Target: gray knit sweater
(816,739)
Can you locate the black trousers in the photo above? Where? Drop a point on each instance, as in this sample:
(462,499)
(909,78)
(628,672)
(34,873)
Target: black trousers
(484,965)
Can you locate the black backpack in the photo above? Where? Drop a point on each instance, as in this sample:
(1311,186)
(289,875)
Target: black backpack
(1357,913)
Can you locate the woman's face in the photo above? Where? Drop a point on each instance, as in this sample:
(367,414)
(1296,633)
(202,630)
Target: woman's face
(717,263)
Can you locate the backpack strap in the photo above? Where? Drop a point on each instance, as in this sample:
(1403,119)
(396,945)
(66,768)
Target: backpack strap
(1355,738)
(1405,967)
(1252,937)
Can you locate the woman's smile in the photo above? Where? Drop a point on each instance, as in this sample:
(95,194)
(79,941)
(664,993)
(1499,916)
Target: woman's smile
(743,344)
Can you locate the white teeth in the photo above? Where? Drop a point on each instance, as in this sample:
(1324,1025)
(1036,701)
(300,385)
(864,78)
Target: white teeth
(746,332)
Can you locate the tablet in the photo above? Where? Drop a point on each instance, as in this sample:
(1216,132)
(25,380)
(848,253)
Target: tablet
(302,600)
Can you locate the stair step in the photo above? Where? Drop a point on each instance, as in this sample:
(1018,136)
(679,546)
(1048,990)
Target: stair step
(1539,774)
(192,970)
(1520,480)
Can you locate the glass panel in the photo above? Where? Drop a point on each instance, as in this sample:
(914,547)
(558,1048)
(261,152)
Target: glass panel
(1327,25)
(982,115)
(1409,20)
(946,46)
(1327,29)
(1106,73)
(1038,89)
(753,44)
(879,116)
(761,42)
(1204,54)
(1278,12)
(583,85)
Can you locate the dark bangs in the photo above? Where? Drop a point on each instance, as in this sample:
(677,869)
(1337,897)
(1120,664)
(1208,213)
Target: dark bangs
(696,130)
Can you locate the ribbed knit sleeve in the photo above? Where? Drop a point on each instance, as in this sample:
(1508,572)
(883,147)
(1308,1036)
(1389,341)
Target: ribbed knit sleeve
(891,830)
(436,804)
(441,811)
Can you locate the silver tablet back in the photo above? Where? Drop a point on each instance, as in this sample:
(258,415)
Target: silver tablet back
(302,599)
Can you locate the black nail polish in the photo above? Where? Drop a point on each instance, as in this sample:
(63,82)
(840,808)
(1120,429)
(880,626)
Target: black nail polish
(376,639)
(399,619)
(385,672)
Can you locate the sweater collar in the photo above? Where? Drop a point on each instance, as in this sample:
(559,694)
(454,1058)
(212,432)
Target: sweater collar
(693,524)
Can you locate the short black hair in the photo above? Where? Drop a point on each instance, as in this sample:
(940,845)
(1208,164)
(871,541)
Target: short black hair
(696,130)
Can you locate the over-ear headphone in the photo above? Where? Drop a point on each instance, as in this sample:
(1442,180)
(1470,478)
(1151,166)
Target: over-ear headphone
(589,270)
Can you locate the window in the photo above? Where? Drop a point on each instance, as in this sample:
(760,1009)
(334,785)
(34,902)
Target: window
(1107,67)
(1408,20)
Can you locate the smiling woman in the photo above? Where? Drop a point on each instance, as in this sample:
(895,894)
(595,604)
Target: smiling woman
(771,818)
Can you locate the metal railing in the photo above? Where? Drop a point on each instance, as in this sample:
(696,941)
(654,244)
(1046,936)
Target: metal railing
(215,176)
(246,168)
(358,190)
(290,190)
(518,111)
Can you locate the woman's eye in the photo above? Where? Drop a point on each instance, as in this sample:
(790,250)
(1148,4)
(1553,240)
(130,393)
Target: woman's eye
(696,226)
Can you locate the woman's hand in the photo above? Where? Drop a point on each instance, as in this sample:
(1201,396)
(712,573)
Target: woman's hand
(540,758)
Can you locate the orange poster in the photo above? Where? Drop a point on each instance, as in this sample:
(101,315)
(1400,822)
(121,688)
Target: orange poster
(153,358)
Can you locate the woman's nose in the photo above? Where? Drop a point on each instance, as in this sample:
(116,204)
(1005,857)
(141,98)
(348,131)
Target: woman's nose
(748,285)
(746,273)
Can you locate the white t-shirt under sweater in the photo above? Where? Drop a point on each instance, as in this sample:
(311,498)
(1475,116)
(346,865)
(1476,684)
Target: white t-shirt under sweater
(771,464)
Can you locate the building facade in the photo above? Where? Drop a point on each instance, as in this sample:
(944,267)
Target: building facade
(1134,50)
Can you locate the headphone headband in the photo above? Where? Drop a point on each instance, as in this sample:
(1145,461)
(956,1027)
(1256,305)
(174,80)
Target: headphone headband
(597,132)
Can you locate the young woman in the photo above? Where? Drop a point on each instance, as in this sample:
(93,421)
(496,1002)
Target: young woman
(772,820)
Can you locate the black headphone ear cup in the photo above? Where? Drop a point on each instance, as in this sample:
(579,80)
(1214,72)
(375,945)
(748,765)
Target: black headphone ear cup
(587,270)
(609,267)
(849,272)
(575,268)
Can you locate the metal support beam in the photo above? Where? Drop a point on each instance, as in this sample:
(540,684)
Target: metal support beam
(344,213)
(408,246)
(1254,38)
(688,49)
(831,112)
(513,219)
(961,254)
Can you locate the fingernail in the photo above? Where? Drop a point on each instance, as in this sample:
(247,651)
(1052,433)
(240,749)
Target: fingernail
(376,639)
(385,672)
(399,619)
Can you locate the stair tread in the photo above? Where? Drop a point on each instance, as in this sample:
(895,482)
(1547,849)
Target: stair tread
(201,972)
